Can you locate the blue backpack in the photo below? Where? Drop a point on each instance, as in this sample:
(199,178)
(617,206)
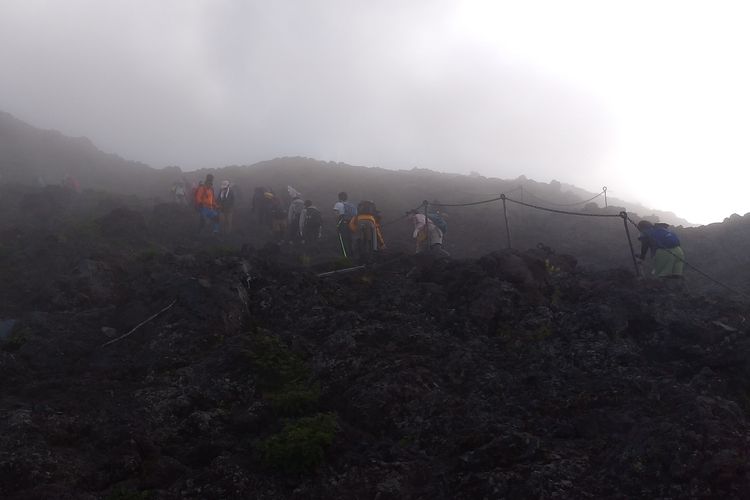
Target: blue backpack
(350,210)
(664,238)
(439,222)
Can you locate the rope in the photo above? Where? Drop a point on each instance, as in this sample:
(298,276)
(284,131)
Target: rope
(394,220)
(622,215)
(407,214)
(582,214)
(373,266)
(341,271)
(139,325)
(496,194)
(470,203)
(691,266)
(564,204)
(502,196)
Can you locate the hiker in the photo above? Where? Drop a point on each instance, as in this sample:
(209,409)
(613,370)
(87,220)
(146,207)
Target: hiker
(178,192)
(429,238)
(366,228)
(278,219)
(310,225)
(664,247)
(194,195)
(262,200)
(345,211)
(293,216)
(204,203)
(438,217)
(226,206)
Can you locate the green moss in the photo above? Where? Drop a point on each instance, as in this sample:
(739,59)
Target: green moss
(277,367)
(301,445)
(295,399)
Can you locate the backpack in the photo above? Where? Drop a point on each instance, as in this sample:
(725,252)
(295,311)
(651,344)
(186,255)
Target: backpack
(438,221)
(366,207)
(367,234)
(313,219)
(350,211)
(664,238)
(275,207)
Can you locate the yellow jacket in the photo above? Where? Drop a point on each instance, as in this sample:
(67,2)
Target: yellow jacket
(354,225)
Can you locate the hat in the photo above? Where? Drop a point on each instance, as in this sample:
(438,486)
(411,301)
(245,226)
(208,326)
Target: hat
(224,184)
(644,224)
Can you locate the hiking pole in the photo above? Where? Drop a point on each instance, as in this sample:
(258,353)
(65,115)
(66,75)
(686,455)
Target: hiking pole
(341,271)
(341,239)
(343,247)
(624,216)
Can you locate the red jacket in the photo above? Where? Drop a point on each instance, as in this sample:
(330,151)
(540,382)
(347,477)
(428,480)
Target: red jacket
(204,197)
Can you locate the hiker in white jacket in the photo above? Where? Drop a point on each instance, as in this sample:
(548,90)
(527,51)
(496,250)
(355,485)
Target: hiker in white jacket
(430,239)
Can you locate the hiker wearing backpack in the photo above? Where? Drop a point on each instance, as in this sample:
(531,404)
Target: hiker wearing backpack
(310,224)
(345,211)
(427,234)
(194,195)
(365,227)
(226,206)
(293,218)
(665,249)
(438,218)
(178,193)
(204,202)
(278,218)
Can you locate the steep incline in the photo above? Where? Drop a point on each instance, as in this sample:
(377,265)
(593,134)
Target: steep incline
(418,379)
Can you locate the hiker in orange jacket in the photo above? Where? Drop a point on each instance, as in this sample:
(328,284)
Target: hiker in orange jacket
(366,229)
(204,202)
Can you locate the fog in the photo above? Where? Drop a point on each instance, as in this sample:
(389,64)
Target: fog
(646,100)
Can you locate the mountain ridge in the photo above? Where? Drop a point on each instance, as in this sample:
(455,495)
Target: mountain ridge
(31,155)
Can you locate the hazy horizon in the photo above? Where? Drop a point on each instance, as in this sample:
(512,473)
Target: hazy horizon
(647,99)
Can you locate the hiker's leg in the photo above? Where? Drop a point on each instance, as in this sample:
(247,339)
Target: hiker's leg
(679,263)
(226,223)
(663,263)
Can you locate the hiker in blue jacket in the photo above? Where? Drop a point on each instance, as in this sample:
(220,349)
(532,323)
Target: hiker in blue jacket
(664,247)
(345,212)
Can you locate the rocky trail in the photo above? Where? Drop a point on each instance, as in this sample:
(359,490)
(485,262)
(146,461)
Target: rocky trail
(515,375)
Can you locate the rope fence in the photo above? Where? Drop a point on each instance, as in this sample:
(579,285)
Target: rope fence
(563,204)
(622,215)
(694,268)
(565,212)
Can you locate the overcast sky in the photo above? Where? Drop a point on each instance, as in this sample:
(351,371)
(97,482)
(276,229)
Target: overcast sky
(651,99)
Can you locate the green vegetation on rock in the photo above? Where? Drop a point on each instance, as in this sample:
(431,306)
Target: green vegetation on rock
(301,444)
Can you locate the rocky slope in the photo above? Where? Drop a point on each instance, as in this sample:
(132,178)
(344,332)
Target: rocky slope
(515,375)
